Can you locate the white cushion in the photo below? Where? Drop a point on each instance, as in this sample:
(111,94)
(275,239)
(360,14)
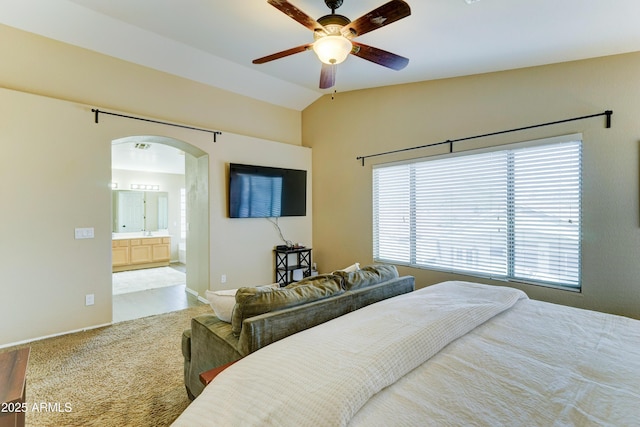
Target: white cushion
(222,302)
(351,268)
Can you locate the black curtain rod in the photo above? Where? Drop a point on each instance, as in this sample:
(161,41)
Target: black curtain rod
(215,133)
(607,113)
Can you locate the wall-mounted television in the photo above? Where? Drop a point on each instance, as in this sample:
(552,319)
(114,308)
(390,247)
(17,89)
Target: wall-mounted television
(264,192)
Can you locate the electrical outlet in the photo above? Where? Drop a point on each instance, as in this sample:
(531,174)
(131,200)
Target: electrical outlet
(88,299)
(84,233)
(223,278)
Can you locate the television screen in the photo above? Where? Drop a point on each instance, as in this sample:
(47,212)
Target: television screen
(263,192)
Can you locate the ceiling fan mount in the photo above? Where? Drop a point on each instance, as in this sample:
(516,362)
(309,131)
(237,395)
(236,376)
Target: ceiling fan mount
(333,4)
(333,36)
(333,19)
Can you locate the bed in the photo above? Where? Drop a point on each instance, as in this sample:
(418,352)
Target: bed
(455,353)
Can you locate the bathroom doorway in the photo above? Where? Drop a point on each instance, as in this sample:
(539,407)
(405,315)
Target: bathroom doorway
(157,192)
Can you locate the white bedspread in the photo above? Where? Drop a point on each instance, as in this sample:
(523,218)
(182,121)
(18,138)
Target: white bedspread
(536,364)
(323,376)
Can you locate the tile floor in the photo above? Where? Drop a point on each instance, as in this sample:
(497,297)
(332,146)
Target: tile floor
(154,301)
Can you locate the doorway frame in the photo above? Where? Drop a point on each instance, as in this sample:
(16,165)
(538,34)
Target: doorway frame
(197,233)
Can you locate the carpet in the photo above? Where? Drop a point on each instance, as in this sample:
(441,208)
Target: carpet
(148,278)
(127,374)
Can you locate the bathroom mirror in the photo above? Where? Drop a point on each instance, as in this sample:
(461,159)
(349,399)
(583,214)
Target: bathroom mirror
(136,211)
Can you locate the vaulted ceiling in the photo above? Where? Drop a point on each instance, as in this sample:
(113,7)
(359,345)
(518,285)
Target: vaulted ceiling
(215,41)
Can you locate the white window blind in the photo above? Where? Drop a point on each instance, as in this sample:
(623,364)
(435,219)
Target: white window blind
(506,214)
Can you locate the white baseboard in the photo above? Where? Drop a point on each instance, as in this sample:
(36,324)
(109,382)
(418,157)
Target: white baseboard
(191,291)
(197,295)
(54,335)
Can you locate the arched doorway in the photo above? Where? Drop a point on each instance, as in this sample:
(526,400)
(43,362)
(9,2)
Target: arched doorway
(159,206)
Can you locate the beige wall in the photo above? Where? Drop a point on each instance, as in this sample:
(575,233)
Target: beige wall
(54,175)
(55,171)
(35,64)
(243,248)
(370,121)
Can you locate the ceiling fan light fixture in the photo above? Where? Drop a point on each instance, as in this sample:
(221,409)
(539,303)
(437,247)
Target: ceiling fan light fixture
(332,49)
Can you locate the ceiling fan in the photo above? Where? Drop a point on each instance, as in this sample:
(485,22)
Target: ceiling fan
(334,34)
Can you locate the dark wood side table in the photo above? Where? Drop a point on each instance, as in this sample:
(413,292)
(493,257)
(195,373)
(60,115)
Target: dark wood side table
(13,387)
(207,376)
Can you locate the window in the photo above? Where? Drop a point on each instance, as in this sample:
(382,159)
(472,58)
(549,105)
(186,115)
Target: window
(509,214)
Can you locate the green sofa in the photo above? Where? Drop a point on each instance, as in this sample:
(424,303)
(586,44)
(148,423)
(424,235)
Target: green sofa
(262,316)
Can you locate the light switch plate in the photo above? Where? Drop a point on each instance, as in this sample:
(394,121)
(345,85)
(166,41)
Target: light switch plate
(84,233)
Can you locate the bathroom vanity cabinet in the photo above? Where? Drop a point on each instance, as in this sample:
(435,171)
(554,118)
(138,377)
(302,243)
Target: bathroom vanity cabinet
(140,252)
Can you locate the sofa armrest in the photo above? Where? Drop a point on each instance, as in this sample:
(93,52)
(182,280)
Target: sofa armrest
(186,345)
(212,345)
(186,352)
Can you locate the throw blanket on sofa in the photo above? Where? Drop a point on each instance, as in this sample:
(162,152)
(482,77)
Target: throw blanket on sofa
(324,375)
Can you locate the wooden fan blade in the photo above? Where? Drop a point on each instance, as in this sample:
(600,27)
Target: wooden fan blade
(327,76)
(384,15)
(379,56)
(282,54)
(296,14)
